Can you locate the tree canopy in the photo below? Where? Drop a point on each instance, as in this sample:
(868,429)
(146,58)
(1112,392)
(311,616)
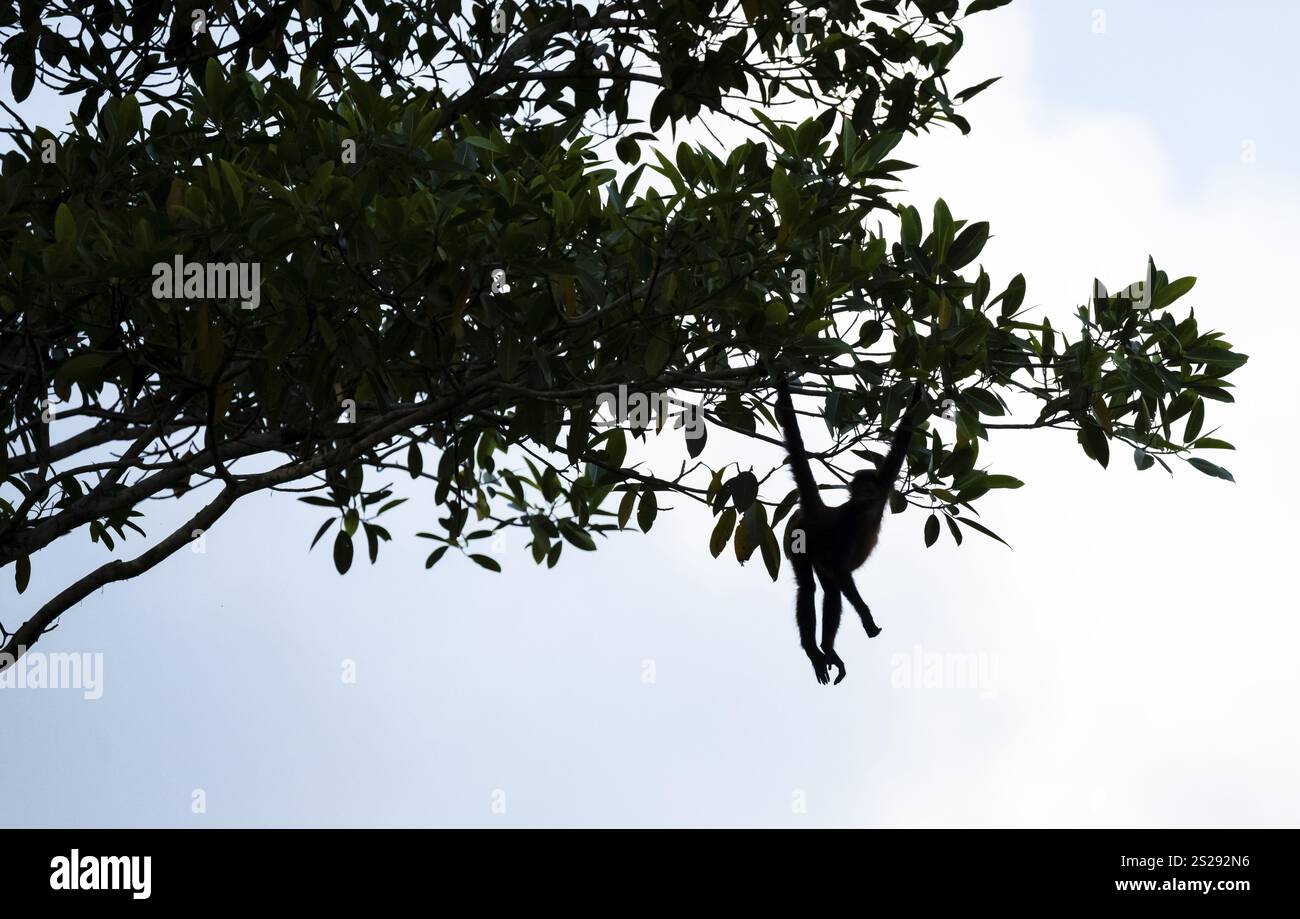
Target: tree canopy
(461,226)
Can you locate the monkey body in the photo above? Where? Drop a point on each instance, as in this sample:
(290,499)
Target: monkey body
(828,544)
(846,534)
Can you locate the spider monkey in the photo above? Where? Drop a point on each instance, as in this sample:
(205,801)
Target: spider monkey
(836,540)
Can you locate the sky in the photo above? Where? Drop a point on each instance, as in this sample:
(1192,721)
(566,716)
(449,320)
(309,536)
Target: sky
(1133,653)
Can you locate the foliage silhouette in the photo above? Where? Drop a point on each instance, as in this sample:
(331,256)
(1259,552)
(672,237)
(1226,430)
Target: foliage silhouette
(453,269)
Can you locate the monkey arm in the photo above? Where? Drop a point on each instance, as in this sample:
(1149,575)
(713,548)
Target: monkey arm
(898,447)
(902,438)
(809,496)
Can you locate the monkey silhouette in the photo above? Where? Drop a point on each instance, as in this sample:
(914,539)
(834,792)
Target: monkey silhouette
(828,544)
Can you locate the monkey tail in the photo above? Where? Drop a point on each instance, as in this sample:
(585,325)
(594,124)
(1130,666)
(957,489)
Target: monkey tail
(809,496)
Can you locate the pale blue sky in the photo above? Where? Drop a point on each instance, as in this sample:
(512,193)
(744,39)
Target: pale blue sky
(1140,629)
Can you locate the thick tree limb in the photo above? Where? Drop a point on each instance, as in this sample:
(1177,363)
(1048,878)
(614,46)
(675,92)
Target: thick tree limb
(383,429)
(30,631)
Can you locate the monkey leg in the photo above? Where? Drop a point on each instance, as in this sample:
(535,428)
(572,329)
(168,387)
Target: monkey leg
(805,615)
(864,611)
(831,609)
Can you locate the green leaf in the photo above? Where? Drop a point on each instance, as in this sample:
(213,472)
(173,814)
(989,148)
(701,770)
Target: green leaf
(787,199)
(435,556)
(128,117)
(1210,391)
(1210,469)
(1142,459)
(647,510)
(968,245)
(971,92)
(744,490)
(22,572)
(1213,443)
(232,179)
(980,6)
(878,149)
(1182,403)
(616,448)
(628,150)
(943,230)
(771,550)
(911,226)
(65,225)
(576,535)
(1094,442)
(661,109)
(214,82)
(945,313)
(1194,422)
(414,460)
(24,78)
(321,532)
(482,143)
(1013,296)
(342,552)
(931,530)
(484,561)
(1218,357)
(985,401)
(625,507)
(551,485)
(981,528)
(748,535)
(722,531)
(1171,292)
(84,366)
(870,332)
(695,445)
(981,291)
(657,351)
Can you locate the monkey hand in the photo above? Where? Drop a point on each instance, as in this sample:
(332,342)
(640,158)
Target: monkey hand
(833,660)
(819,665)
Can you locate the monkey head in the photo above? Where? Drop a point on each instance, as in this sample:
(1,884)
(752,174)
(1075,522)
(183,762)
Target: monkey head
(865,486)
